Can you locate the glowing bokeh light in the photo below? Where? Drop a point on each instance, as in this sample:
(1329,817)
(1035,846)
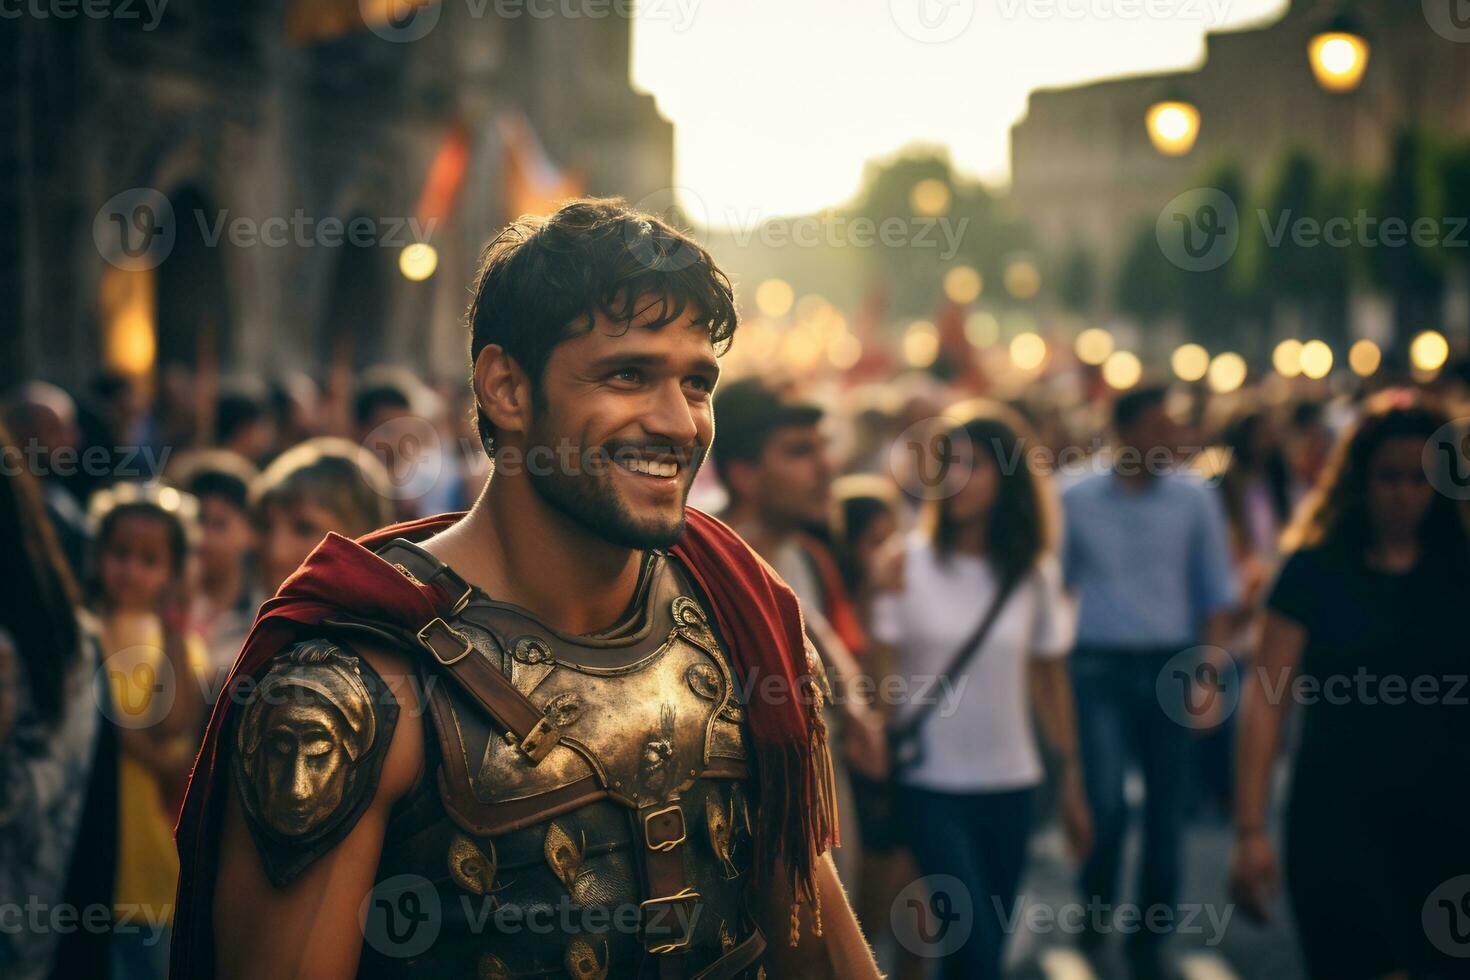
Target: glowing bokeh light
(1364,358)
(1094,345)
(774,297)
(1429,350)
(963,284)
(418,261)
(1190,362)
(1316,359)
(1226,373)
(1028,351)
(1173,126)
(1287,358)
(1122,370)
(920,344)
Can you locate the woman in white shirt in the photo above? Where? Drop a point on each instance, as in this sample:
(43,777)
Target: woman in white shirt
(966,800)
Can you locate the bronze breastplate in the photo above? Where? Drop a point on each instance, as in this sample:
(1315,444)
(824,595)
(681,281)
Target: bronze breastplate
(630,839)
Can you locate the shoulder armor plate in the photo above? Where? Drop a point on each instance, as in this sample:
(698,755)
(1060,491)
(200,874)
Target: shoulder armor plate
(309,749)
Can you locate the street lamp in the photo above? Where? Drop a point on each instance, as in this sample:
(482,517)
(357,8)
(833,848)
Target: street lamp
(1173,126)
(1339,55)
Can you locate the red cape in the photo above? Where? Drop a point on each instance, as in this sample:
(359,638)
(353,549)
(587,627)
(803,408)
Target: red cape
(758,616)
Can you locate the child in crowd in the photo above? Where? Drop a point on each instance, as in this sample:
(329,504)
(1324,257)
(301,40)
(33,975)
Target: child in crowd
(227,590)
(153,668)
(324,484)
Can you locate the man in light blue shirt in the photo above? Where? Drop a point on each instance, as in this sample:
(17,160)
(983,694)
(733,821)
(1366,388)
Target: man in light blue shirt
(1147,555)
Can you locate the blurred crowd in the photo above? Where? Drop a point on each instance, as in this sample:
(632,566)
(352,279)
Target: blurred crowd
(1022,606)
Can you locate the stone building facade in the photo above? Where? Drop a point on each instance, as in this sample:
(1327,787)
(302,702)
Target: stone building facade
(1084,172)
(299,145)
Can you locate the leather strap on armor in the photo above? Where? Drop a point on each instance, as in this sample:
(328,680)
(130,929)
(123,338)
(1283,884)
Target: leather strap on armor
(528,727)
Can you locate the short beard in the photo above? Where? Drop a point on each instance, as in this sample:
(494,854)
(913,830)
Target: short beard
(588,500)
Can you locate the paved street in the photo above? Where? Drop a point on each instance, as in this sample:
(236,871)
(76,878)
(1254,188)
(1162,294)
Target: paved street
(1204,951)
(1212,942)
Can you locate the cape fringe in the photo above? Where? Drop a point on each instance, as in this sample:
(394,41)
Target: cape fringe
(808,829)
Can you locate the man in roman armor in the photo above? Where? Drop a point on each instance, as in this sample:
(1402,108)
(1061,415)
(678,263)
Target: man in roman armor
(575,731)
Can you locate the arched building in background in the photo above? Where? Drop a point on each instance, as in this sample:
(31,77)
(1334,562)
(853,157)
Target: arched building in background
(297,151)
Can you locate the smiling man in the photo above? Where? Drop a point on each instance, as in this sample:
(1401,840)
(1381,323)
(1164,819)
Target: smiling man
(572,732)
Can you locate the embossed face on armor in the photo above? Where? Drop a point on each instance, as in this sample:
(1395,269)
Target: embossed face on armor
(306,749)
(309,748)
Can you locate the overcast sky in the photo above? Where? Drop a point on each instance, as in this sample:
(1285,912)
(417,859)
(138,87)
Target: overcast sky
(777,103)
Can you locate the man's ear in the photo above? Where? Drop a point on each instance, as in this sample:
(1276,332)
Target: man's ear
(503,390)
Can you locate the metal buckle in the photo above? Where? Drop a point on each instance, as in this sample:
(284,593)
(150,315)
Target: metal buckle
(541,739)
(453,633)
(665,845)
(689,896)
(462,601)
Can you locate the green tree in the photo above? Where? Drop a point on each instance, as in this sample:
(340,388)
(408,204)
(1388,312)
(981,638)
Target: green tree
(973,224)
(1304,263)
(1150,287)
(1077,284)
(1408,268)
(1214,301)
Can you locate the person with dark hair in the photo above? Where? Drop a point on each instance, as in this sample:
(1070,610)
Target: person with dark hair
(865,515)
(43,421)
(228,590)
(1307,443)
(772,460)
(48,721)
(1362,627)
(243,422)
(976,601)
(381,398)
(534,716)
(1256,484)
(295,406)
(1147,554)
(396,417)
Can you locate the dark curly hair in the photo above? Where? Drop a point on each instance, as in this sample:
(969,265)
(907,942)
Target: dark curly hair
(1336,515)
(543,280)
